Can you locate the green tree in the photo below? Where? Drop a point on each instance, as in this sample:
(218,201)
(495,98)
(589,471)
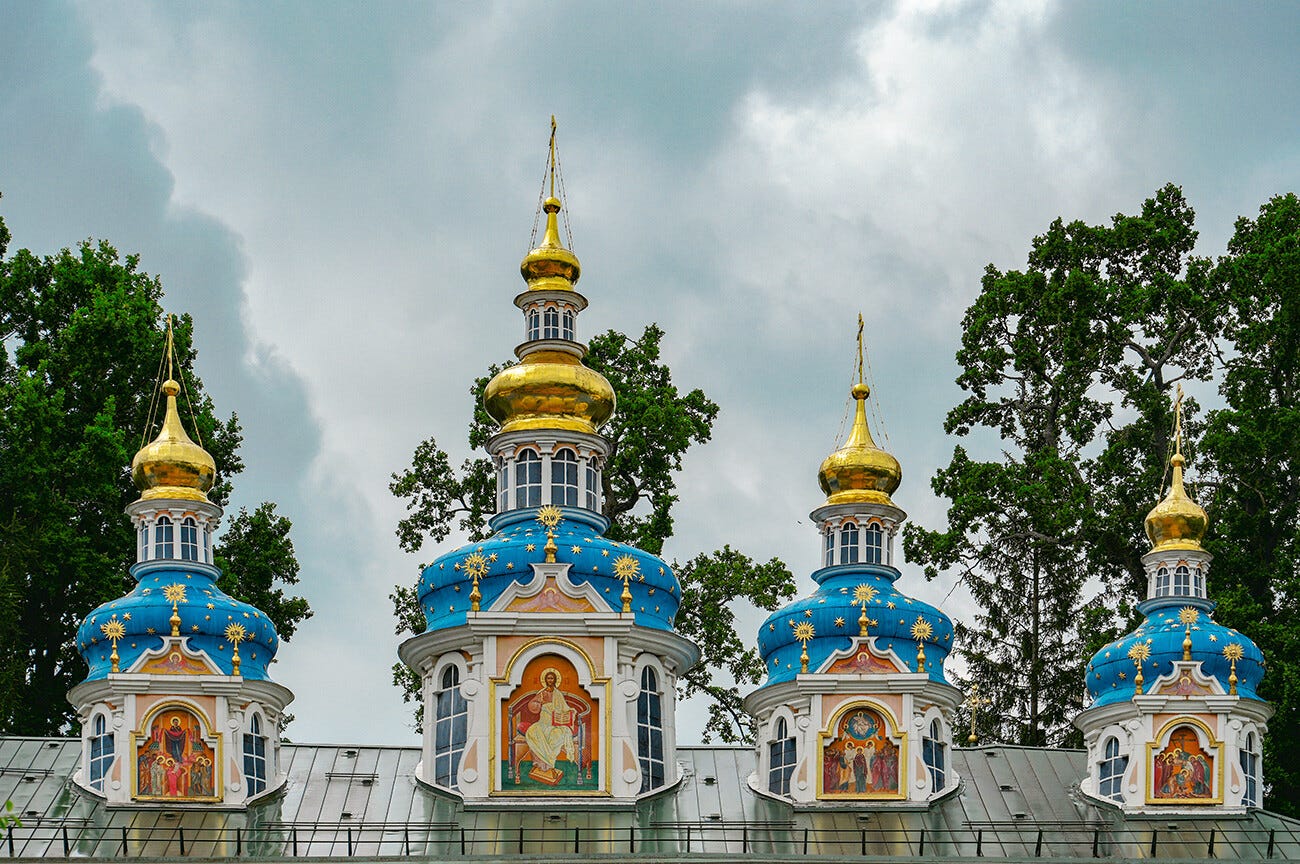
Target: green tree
(81,341)
(648,436)
(1252,447)
(1103,317)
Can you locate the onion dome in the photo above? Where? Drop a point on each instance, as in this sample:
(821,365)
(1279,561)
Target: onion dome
(550,388)
(550,266)
(183,593)
(860,472)
(519,540)
(843,595)
(173,466)
(1159,643)
(1177,522)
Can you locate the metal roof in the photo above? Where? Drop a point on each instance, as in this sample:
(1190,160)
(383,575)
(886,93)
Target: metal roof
(1014,803)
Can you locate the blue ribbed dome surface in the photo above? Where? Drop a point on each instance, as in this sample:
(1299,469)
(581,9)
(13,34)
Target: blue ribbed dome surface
(835,622)
(518,541)
(1111,671)
(205,613)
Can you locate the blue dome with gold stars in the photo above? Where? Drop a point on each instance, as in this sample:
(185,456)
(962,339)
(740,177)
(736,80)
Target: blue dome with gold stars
(144,616)
(832,612)
(518,540)
(1160,637)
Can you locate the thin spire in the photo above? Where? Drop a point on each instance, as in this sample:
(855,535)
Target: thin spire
(171,351)
(552,157)
(861,325)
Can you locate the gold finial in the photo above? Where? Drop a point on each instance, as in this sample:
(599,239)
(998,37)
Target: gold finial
(973,703)
(113,630)
(1177,522)
(625,567)
(235,633)
(550,516)
(921,630)
(1139,653)
(175,595)
(477,567)
(1188,616)
(862,595)
(1233,652)
(803,633)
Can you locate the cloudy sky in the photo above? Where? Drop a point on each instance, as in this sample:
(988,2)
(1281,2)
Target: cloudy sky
(341,193)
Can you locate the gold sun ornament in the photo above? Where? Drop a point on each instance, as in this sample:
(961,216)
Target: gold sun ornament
(113,630)
(1233,652)
(175,594)
(862,595)
(550,515)
(477,567)
(921,630)
(1188,616)
(803,633)
(235,633)
(1138,653)
(626,568)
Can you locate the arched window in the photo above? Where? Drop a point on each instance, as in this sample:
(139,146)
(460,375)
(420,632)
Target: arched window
(593,486)
(934,752)
(143,554)
(528,479)
(568,324)
(780,759)
(849,543)
(101,752)
(163,541)
(1198,582)
(1182,581)
(830,545)
(503,486)
(564,479)
(1250,770)
(255,757)
(650,731)
(1162,582)
(875,544)
(207,545)
(534,324)
(551,323)
(1110,773)
(189,539)
(450,728)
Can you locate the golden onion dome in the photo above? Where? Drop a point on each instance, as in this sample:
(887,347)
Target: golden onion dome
(549,390)
(860,472)
(550,266)
(171,465)
(1177,522)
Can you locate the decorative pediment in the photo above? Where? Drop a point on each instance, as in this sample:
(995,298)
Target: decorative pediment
(1186,680)
(175,658)
(862,657)
(550,591)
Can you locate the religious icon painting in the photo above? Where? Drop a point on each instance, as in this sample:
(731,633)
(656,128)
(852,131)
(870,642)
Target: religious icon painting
(550,732)
(173,761)
(858,758)
(1183,770)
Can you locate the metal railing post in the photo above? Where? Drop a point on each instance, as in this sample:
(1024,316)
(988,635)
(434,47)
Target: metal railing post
(805,840)
(1211,849)
(1096,841)
(922,850)
(67,849)
(577,839)
(1155,841)
(123,843)
(180,834)
(295,841)
(631,839)
(462,841)
(864,842)
(521,839)
(406,841)
(10,832)
(1038,845)
(979,843)
(349,841)
(1272,836)
(688,839)
(744,840)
